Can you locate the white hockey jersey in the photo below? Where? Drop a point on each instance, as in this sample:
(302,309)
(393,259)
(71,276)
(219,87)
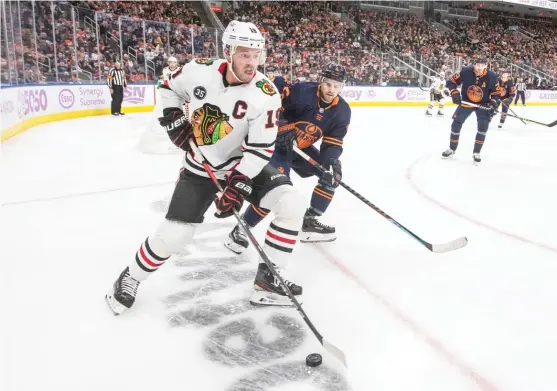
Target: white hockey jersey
(166,72)
(437,86)
(235,126)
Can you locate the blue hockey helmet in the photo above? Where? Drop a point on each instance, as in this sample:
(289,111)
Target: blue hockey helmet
(335,72)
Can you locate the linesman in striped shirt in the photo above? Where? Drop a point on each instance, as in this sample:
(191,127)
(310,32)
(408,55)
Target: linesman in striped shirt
(116,82)
(520,92)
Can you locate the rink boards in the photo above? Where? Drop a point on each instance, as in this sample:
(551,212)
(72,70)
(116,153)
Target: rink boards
(27,106)
(24,107)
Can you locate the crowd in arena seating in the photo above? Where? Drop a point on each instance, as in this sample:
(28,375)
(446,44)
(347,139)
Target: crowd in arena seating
(303,38)
(376,46)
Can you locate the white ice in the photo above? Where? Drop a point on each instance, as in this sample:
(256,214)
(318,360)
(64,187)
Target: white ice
(79,198)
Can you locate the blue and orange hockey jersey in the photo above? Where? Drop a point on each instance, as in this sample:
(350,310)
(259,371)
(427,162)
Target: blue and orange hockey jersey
(313,119)
(476,89)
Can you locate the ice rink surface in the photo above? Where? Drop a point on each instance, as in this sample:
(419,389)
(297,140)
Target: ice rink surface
(79,198)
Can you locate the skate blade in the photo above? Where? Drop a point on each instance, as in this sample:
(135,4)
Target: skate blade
(114,306)
(268,299)
(316,237)
(477,163)
(235,248)
(447,157)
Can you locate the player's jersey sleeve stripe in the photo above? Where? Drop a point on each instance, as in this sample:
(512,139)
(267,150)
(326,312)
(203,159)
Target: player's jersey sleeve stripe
(258,154)
(333,141)
(258,145)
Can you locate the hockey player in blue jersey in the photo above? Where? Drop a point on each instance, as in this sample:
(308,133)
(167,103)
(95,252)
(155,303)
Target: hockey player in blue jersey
(479,86)
(277,80)
(508,92)
(310,112)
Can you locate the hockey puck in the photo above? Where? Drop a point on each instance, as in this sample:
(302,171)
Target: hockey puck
(314,360)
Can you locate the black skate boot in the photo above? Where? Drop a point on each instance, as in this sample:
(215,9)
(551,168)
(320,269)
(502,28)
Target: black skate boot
(268,291)
(477,158)
(448,154)
(237,240)
(123,292)
(313,231)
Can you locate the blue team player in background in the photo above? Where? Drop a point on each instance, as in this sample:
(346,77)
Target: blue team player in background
(479,86)
(277,80)
(508,91)
(310,112)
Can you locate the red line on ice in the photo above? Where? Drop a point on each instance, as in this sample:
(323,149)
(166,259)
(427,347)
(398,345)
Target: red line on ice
(421,192)
(482,383)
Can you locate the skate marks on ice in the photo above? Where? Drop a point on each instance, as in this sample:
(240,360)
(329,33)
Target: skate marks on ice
(264,349)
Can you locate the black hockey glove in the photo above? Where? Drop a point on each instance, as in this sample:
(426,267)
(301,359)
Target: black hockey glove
(285,138)
(456,97)
(333,175)
(177,126)
(493,107)
(238,186)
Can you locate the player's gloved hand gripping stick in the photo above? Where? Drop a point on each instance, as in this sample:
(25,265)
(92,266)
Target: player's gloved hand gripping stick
(339,354)
(436,248)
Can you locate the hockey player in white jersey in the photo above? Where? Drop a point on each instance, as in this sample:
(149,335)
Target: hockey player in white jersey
(234,122)
(436,94)
(172,67)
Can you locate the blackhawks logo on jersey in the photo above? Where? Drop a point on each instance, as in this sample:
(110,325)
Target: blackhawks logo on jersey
(266,87)
(210,124)
(205,61)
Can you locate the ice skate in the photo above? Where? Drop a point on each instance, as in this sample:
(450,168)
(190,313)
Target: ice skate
(313,231)
(440,114)
(448,154)
(237,240)
(123,292)
(267,290)
(428,113)
(477,158)
(500,126)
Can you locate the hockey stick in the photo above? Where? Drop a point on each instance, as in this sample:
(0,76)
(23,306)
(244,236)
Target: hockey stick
(512,112)
(550,125)
(436,248)
(339,354)
(422,87)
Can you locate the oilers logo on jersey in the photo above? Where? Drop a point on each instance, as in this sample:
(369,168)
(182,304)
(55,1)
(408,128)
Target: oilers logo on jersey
(307,133)
(475,93)
(210,124)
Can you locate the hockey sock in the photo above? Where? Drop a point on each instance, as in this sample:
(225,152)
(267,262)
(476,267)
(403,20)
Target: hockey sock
(253,215)
(279,243)
(503,118)
(146,262)
(480,138)
(321,198)
(455,134)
